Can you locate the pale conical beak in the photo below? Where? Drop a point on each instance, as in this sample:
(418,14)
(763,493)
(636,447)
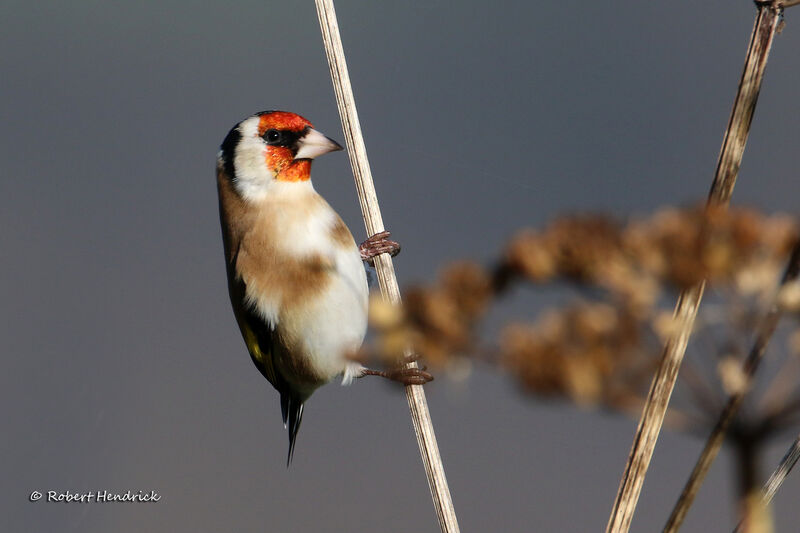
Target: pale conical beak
(313,144)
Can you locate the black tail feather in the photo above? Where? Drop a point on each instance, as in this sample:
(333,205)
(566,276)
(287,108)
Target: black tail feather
(292,412)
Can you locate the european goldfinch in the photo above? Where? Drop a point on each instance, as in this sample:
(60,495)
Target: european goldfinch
(295,275)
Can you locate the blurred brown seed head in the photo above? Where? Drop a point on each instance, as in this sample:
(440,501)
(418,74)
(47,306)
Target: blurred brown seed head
(732,377)
(572,353)
(789,297)
(674,248)
(528,256)
(469,287)
(601,350)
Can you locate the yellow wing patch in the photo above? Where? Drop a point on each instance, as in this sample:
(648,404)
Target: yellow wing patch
(263,360)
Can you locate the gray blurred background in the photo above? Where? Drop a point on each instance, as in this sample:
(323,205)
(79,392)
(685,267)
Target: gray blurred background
(123,366)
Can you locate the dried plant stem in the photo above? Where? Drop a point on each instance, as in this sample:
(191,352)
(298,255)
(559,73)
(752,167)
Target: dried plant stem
(423,427)
(730,158)
(778,476)
(764,333)
(654,410)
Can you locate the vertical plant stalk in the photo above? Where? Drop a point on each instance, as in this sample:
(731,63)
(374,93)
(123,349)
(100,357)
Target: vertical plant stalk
(714,442)
(730,159)
(420,416)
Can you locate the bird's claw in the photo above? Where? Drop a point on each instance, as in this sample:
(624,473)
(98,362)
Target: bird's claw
(407,375)
(410,376)
(376,245)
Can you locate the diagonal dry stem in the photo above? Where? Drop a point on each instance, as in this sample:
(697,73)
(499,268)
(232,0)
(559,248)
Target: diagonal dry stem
(764,333)
(730,158)
(778,476)
(420,416)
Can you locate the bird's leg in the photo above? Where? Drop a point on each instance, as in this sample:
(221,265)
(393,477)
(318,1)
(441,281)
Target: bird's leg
(376,245)
(369,249)
(403,374)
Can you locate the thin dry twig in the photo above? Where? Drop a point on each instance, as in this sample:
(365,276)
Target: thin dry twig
(779,475)
(730,158)
(423,427)
(714,442)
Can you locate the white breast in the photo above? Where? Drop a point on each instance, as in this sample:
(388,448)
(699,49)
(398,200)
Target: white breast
(335,323)
(332,325)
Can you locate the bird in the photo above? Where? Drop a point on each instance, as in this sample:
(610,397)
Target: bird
(296,278)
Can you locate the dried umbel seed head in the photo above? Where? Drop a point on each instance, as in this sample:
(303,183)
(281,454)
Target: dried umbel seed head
(600,350)
(573,247)
(573,352)
(675,248)
(529,256)
(789,297)
(469,287)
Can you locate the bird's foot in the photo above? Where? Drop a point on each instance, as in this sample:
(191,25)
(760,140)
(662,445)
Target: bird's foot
(403,374)
(376,245)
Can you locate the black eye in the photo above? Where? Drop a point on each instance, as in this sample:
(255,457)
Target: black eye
(272,136)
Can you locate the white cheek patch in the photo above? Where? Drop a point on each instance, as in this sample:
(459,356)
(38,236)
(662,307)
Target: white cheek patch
(253,178)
